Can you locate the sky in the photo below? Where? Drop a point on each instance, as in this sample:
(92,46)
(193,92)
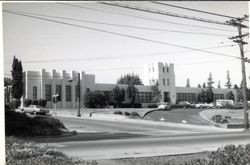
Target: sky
(51,45)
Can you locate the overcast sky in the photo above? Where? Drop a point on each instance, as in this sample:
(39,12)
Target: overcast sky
(109,56)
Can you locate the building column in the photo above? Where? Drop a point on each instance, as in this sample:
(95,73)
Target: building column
(73,90)
(63,97)
(83,90)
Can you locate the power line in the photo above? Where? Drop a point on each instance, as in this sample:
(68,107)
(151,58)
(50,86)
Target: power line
(146,18)
(200,11)
(166,13)
(120,34)
(126,26)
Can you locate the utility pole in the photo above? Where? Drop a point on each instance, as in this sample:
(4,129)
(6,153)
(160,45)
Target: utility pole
(239,39)
(79,97)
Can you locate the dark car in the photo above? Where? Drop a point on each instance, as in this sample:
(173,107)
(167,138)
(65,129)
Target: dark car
(185,104)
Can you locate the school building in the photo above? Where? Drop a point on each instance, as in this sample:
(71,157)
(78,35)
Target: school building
(44,84)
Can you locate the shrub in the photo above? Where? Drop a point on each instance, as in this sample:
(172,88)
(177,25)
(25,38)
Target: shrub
(126,113)
(152,106)
(95,100)
(34,102)
(118,112)
(27,102)
(15,103)
(19,124)
(42,102)
(134,114)
(229,106)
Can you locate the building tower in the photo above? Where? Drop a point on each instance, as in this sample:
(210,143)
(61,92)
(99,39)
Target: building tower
(164,75)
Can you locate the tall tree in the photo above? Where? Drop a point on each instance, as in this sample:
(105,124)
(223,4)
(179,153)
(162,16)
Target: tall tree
(129,78)
(132,92)
(118,95)
(156,93)
(210,81)
(228,82)
(219,85)
(188,83)
(17,79)
(199,86)
(230,95)
(235,86)
(204,85)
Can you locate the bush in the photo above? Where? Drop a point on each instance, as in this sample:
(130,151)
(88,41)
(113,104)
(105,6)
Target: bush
(20,152)
(229,106)
(118,112)
(15,103)
(95,100)
(152,106)
(126,113)
(134,114)
(19,124)
(27,102)
(42,102)
(230,154)
(34,102)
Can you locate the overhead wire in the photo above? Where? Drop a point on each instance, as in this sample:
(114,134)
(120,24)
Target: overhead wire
(120,34)
(195,10)
(146,18)
(126,26)
(166,13)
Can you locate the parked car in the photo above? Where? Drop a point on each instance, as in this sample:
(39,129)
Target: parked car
(35,109)
(164,106)
(209,105)
(223,103)
(238,105)
(186,104)
(200,105)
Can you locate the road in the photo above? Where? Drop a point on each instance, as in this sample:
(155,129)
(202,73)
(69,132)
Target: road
(150,146)
(140,138)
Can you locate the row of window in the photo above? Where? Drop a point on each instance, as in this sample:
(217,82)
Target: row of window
(190,97)
(163,69)
(144,97)
(48,92)
(218,96)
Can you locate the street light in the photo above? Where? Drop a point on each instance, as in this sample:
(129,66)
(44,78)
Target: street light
(55,96)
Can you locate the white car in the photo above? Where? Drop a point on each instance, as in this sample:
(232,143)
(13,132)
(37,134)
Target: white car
(200,105)
(35,109)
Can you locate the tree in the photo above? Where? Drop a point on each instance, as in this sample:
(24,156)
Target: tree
(17,77)
(219,85)
(156,93)
(129,78)
(230,95)
(118,95)
(210,81)
(95,100)
(7,81)
(228,83)
(199,86)
(204,85)
(188,83)
(206,95)
(132,92)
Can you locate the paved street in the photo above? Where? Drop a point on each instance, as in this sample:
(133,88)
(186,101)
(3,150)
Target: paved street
(141,147)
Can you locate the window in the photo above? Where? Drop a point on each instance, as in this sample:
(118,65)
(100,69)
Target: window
(68,93)
(144,97)
(190,97)
(218,96)
(168,82)
(34,93)
(163,69)
(77,91)
(167,69)
(48,92)
(59,92)
(164,83)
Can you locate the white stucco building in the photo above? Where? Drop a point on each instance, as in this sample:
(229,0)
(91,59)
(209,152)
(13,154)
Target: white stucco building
(43,84)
